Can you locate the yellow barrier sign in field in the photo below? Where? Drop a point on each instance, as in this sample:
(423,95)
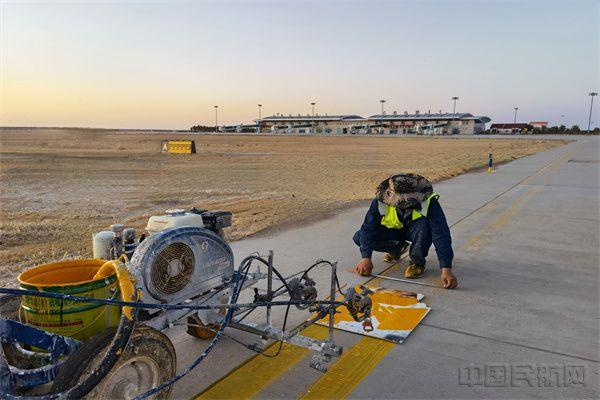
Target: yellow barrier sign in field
(178,146)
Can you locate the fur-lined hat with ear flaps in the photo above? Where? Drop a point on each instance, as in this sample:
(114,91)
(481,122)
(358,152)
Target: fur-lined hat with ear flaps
(404,190)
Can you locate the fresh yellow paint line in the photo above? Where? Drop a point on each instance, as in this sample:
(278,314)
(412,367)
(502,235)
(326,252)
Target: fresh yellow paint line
(353,366)
(254,375)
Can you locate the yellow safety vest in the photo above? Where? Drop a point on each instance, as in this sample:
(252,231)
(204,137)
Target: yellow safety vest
(390,219)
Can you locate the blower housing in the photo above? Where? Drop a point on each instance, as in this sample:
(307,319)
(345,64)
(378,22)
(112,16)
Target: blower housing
(184,255)
(181,263)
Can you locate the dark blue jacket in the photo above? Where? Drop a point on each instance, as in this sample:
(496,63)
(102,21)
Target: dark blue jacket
(372,232)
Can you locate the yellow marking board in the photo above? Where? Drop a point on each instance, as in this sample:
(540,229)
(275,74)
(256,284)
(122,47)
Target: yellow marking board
(394,315)
(254,375)
(178,146)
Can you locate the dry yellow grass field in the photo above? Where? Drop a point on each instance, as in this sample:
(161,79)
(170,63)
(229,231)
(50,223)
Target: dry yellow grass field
(58,186)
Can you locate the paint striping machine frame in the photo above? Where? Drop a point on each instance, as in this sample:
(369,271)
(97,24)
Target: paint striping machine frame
(182,273)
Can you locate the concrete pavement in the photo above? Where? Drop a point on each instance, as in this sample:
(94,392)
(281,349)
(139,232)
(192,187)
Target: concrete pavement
(525,317)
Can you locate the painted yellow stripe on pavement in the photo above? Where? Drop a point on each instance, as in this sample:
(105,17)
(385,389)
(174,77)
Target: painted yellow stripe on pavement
(251,377)
(353,366)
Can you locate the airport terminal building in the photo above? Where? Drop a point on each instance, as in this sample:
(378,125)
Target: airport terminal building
(317,124)
(416,124)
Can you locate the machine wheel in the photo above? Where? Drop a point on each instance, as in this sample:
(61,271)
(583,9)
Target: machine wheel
(197,329)
(148,360)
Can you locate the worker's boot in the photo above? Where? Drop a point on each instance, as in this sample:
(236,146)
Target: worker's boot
(391,257)
(413,271)
(395,256)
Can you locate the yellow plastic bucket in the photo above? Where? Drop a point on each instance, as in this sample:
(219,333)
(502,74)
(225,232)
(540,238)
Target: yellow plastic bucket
(76,319)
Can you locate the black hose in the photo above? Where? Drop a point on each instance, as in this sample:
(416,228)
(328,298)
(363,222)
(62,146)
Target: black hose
(117,347)
(287,310)
(285,319)
(304,273)
(281,278)
(319,262)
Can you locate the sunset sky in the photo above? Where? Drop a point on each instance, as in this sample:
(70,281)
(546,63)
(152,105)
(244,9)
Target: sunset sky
(165,64)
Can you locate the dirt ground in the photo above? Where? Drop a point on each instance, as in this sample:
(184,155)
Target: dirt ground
(58,186)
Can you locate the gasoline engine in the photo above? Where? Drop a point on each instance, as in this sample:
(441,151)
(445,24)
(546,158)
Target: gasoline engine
(182,256)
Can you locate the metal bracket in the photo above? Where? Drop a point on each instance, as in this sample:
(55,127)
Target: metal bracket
(321,360)
(326,349)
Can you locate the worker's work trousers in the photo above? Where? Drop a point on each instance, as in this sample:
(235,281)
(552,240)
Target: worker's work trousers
(418,232)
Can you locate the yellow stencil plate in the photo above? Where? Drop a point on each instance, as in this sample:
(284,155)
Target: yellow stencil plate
(394,315)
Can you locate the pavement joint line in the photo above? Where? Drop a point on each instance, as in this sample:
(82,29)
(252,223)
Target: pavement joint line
(534,214)
(562,186)
(558,353)
(512,187)
(486,235)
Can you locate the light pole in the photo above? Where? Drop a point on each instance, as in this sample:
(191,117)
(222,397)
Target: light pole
(312,123)
(259,116)
(591,107)
(216,119)
(515,120)
(381,123)
(454,98)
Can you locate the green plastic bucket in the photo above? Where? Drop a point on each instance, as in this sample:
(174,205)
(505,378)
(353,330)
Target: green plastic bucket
(79,320)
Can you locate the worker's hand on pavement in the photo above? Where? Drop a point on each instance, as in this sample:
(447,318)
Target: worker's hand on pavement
(448,278)
(364,267)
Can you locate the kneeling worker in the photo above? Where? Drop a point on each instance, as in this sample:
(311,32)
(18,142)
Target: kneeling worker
(406,208)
